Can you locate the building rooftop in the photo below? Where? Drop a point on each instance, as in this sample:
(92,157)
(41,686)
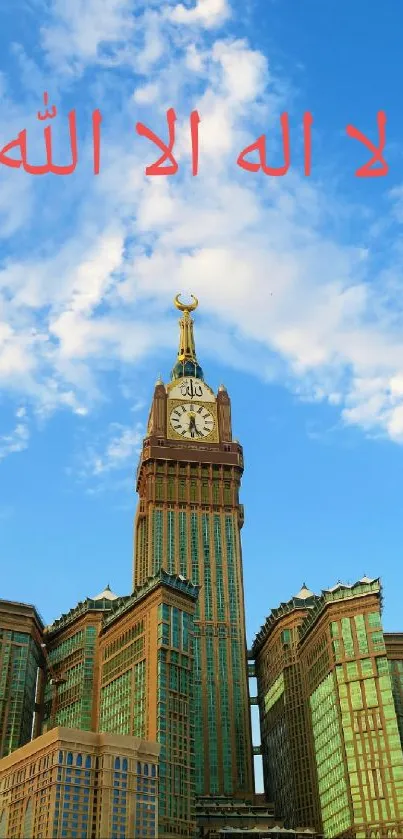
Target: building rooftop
(341,591)
(304,599)
(304,593)
(307,600)
(24,609)
(175,581)
(102,602)
(106,594)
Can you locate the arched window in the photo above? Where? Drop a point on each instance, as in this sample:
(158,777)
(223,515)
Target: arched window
(139,768)
(124,764)
(69,759)
(79,761)
(88,762)
(146,768)
(117,762)
(153,771)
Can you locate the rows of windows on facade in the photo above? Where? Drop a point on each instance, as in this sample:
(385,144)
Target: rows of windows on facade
(130,715)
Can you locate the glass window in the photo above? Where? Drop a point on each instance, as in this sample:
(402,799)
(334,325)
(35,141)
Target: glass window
(286,636)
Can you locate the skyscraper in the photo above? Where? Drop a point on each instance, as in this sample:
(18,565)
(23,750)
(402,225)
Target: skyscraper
(124,665)
(352,754)
(288,777)
(188,520)
(71,647)
(20,657)
(146,688)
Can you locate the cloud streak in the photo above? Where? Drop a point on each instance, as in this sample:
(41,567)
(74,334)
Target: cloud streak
(262,254)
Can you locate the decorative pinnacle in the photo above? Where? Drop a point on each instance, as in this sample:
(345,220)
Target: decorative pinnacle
(186,307)
(186,363)
(187,349)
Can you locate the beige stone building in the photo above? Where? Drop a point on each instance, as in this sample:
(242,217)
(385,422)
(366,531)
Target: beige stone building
(80,784)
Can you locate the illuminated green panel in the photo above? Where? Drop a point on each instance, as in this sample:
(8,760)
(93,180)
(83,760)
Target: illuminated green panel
(66,647)
(239,709)
(374,620)
(392,739)
(396,675)
(208,600)
(220,592)
(141,544)
(347,637)
(20,660)
(75,696)
(157,539)
(194,548)
(232,587)
(139,695)
(115,705)
(225,715)
(175,718)
(171,541)
(361,633)
(212,717)
(332,781)
(198,716)
(183,544)
(369,792)
(274,693)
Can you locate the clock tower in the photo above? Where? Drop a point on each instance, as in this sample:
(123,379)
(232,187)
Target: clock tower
(188,522)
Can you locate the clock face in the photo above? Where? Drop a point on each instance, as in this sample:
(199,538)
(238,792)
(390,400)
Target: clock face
(191,421)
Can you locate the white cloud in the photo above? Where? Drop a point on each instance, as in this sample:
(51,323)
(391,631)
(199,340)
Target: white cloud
(206,13)
(84,32)
(17,439)
(147,94)
(114,453)
(259,252)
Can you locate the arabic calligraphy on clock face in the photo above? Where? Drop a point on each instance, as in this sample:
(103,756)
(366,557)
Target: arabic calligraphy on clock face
(191,421)
(191,389)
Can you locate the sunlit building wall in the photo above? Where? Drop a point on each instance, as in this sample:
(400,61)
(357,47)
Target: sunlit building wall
(80,785)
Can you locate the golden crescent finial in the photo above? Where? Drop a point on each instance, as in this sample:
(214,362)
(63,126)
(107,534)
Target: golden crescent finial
(186,307)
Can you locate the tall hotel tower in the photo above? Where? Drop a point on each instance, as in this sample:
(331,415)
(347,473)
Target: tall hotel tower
(188,521)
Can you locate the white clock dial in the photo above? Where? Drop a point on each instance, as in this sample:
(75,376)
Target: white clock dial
(191,421)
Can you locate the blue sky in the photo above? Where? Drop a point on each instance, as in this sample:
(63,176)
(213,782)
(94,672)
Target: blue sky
(299,281)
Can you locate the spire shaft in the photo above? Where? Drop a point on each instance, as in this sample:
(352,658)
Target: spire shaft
(186,364)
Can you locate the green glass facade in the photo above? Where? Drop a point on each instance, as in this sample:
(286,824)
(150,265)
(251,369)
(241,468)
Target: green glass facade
(175,720)
(354,715)
(330,691)
(122,708)
(20,658)
(328,743)
(203,545)
(147,688)
(72,657)
(396,676)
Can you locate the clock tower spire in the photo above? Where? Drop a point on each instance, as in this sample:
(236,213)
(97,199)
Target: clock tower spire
(186,363)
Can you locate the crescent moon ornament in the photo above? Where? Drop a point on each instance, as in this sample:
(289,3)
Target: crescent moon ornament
(186,307)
